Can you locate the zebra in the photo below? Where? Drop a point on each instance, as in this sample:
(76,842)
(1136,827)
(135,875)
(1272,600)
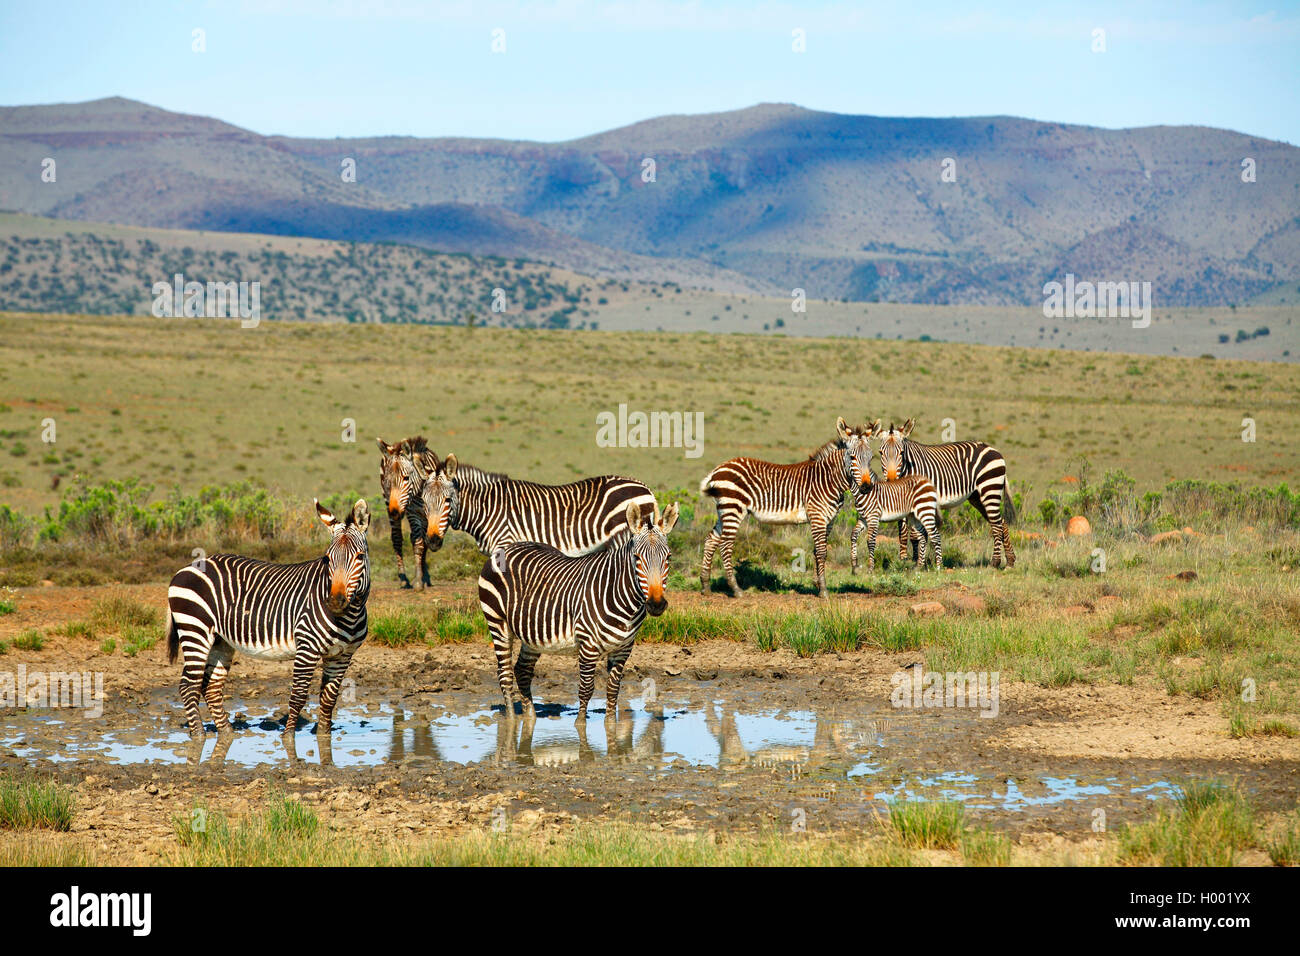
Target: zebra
(313,613)
(911,499)
(810,492)
(400,483)
(961,471)
(496,510)
(594,603)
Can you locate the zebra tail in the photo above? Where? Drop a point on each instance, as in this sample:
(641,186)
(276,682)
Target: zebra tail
(1008,506)
(173,638)
(706,486)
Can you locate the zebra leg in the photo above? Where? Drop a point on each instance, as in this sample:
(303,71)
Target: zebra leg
(902,540)
(1009,553)
(853,547)
(922,544)
(819,552)
(421,561)
(304,666)
(524,668)
(873,529)
(331,682)
(588,654)
(503,646)
(615,664)
(937,543)
(196,648)
(710,546)
(395,531)
(214,682)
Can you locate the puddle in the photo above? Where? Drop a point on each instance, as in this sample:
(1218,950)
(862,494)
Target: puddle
(866,754)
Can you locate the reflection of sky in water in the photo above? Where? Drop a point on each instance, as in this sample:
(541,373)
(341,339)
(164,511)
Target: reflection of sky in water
(695,736)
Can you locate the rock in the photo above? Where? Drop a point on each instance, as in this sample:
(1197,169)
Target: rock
(47,583)
(1188,532)
(1076,610)
(967,604)
(1166,537)
(672,671)
(1078,525)
(703,674)
(927,609)
(1183,576)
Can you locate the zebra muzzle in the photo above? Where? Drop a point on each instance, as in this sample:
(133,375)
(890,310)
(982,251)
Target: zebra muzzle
(433,540)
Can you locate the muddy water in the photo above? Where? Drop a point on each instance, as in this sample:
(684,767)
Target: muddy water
(682,745)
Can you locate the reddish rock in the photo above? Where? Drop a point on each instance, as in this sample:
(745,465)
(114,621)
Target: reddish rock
(927,609)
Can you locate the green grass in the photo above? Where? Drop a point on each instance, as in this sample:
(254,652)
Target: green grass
(137,638)
(1283,845)
(985,848)
(116,613)
(1209,826)
(927,826)
(442,625)
(77,629)
(27,804)
(30,640)
(107,646)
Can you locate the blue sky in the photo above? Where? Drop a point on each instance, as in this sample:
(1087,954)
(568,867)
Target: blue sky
(570,68)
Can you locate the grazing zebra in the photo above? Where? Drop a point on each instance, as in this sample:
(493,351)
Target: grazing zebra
(910,499)
(313,613)
(496,510)
(594,604)
(961,471)
(808,492)
(400,483)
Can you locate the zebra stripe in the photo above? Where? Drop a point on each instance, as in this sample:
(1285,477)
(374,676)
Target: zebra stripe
(961,471)
(400,483)
(806,492)
(911,499)
(593,603)
(497,510)
(313,613)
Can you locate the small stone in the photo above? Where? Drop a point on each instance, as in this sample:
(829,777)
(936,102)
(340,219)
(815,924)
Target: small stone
(967,604)
(47,583)
(1078,525)
(1166,537)
(672,671)
(927,609)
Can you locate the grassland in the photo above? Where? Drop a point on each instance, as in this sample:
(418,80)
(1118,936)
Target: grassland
(189,403)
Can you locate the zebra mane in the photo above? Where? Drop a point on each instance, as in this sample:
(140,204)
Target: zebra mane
(828,449)
(414,445)
(471,475)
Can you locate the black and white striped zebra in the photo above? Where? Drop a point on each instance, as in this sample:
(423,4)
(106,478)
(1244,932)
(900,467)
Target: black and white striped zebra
(911,499)
(806,492)
(961,471)
(400,483)
(593,604)
(313,613)
(495,509)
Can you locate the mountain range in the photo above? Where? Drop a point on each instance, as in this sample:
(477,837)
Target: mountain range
(765,200)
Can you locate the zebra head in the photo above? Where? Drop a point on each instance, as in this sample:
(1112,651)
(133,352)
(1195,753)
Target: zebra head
(891,449)
(347,558)
(868,476)
(439,494)
(398,478)
(855,441)
(650,553)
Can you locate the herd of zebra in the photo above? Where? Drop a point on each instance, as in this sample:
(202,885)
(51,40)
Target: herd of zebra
(574,567)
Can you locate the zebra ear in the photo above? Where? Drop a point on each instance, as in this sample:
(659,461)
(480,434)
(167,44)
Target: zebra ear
(634,516)
(361,515)
(426,463)
(668,519)
(907,426)
(449,466)
(874,428)
(842,427)
(383,446)
(325,516)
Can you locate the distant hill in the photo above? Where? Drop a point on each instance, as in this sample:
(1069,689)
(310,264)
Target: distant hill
(760,200)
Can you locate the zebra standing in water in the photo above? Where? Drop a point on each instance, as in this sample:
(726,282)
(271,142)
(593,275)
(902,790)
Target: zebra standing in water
(910,499)
(400,483)
(594,604)
(808,492)
(313,613)
(495,509)
(961,471)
